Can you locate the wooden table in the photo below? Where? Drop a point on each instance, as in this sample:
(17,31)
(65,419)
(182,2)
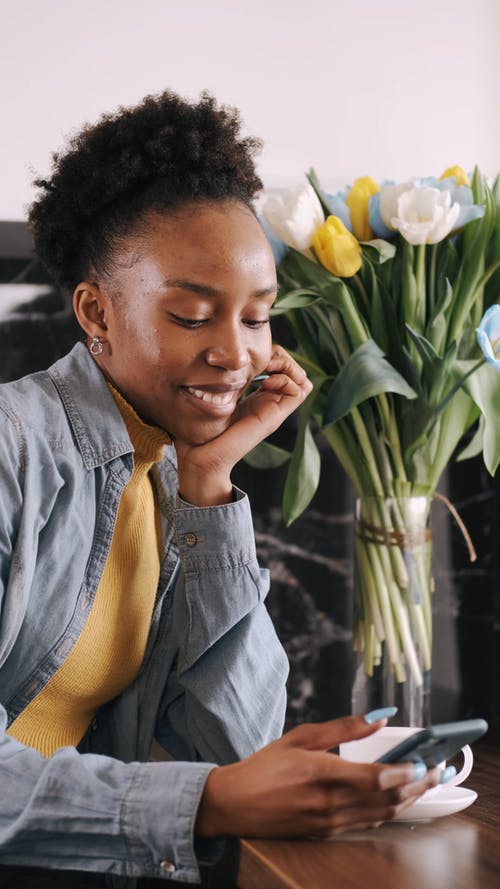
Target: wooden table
(459,851)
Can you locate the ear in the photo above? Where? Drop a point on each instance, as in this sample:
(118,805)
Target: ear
(90,307)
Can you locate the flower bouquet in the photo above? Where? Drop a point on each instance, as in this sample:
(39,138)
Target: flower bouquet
(392,295)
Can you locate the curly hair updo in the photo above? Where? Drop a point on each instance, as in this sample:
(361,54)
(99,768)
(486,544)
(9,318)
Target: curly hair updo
(156,156)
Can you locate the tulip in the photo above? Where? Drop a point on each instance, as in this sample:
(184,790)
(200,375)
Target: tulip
(383,206)
(488,336)
(336,248)
(457,173)
(277,246)
(388,197)
(357,200)
(463,196)
(338,207)
(380,230)
(425,215)
(294,215)
(457,183)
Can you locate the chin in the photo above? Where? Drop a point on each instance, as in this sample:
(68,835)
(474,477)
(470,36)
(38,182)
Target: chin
(201,436)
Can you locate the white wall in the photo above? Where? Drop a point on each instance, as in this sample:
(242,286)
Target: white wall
(390,88)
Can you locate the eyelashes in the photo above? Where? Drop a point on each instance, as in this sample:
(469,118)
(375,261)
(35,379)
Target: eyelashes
(193,323)
(189,322)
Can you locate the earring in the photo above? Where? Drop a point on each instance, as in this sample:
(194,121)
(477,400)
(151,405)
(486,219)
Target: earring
(96,346)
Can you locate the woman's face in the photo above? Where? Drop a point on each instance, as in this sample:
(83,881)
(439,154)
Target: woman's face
(187,317)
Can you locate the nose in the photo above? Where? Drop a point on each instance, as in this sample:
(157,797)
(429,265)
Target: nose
(228,349)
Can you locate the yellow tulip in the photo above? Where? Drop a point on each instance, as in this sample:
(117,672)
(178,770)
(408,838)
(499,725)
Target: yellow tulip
(337,250)
(357,200)
(459,174)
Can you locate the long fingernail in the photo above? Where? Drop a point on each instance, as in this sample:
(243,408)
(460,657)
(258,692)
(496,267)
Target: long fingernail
(381,713)
(420,770)
(447,774)
(260,377)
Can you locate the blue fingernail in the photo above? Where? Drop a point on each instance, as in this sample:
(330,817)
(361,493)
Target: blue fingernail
(447,774)
(420,770)
(382,713)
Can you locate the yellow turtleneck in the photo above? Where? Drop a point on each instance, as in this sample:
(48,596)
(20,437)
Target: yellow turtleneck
(109,651)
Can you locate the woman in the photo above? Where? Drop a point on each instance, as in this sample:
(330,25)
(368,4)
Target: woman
(132,602)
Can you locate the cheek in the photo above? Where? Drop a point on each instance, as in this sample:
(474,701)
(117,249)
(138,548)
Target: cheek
(266,347)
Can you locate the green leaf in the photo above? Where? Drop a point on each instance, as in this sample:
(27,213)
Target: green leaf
(314,181)
(451,425)
(313,371)
(366,373)
(383,323)
(295,299)
(475,446)
(434,368)
(266,456)
(437,325)
(309,338)
(484,388)
(425,349)
(415,421)
(410,371)
(495,190)
(378,250)
(298,272)
(303,474)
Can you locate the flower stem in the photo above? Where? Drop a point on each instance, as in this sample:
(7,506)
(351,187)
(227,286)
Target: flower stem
(457,320)
(419,309)
(431,288)
(392,434)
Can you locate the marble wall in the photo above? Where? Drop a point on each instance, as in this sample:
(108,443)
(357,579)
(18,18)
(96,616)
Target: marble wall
(311,562)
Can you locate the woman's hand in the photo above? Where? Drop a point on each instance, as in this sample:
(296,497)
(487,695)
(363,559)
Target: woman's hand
(294,787)
(205,470)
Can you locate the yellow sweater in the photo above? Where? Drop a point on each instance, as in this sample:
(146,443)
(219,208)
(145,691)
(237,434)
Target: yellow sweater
(109,651)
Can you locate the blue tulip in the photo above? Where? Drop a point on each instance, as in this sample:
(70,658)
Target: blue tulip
(380,230)
(488,336)
(338,207)
(462,194)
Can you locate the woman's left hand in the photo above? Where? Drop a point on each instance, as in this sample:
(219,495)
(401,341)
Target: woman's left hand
(205,470)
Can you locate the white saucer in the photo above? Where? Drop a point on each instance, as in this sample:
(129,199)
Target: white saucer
(448,801)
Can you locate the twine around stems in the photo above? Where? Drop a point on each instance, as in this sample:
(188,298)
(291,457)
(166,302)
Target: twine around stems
(382,536)
(369,533)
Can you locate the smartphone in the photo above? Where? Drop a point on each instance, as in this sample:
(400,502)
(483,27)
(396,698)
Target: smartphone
(436,742)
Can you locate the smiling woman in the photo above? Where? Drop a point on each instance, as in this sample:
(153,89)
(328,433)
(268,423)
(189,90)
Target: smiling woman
(132,603)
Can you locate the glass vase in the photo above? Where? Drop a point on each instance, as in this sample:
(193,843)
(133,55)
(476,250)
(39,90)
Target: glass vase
(392,607)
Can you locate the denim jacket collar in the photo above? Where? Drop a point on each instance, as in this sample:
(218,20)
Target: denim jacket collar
(87,400)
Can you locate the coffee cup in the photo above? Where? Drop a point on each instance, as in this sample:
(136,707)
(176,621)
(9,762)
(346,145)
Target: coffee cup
(369,749)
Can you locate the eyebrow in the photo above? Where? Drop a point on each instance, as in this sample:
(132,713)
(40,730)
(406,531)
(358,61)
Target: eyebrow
(206,290)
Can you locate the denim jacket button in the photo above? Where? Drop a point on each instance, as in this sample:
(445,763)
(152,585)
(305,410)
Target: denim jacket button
(167,866)
(190,539)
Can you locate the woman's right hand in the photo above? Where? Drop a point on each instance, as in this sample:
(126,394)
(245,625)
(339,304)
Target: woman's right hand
(295,787)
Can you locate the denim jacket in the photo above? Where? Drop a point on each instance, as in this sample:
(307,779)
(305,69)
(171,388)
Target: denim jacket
(211,688)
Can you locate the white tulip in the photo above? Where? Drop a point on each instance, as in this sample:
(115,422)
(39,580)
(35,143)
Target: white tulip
(294,215)
(388,198)
(425,215)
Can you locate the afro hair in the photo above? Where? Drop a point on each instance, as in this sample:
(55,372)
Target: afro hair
(156,156)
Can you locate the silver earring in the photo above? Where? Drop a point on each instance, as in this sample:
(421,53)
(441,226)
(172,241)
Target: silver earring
(96,346)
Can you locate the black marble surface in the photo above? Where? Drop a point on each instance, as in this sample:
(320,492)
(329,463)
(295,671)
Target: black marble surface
(310,598)
(311,592)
